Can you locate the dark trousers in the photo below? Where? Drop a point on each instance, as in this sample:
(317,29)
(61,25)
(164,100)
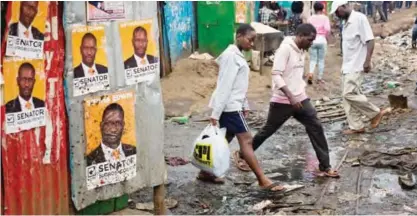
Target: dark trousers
(369,8)
(385,8)
(280,113)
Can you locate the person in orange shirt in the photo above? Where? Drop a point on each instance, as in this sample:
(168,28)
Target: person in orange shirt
(24,28)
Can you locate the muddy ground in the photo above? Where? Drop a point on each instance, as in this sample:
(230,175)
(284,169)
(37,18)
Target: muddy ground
(288,156)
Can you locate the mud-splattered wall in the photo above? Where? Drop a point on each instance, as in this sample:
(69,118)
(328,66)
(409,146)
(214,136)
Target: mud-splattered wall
(179,20)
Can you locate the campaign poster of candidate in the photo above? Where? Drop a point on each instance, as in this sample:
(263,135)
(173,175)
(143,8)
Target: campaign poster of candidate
(140,54)
(89,60)
(24,84)
(105,10)
(26,29)
(110,135)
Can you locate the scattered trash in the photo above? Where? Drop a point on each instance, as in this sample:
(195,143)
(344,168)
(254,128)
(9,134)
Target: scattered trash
(407,181)
(332,187)
(293,187)
(180,120)
(175,161)
(398,101)
(169,203)
(347,196)
(224,199)
(260,206)
(326,99)
(280,213)
(393,84)
(203,56)
(403,159)
(409,209)
(274,175)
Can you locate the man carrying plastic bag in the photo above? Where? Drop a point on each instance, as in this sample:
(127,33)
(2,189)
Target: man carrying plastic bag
(230,106)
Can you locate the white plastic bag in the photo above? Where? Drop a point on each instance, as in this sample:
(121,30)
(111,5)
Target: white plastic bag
(211,151)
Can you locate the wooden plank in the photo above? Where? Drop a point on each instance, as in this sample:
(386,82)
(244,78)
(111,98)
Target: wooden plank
(332,115)
(261,55)
(164,54)
(159,199)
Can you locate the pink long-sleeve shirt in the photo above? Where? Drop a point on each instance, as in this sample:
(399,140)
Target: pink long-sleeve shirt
(322,24)
(288,70)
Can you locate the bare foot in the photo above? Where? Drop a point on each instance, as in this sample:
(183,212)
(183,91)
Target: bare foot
(377,119)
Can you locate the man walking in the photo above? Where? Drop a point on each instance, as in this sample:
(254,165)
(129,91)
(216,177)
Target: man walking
(377,8)
(289,97)
(358,45)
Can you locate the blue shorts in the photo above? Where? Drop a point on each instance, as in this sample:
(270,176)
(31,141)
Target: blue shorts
(234,122)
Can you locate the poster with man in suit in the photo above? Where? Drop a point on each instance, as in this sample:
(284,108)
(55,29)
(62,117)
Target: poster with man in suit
(26,29)
(111,139)
(89,60)
(25,94)
(139,50)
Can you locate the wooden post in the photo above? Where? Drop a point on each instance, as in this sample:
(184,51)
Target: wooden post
(261,55)
(159,199)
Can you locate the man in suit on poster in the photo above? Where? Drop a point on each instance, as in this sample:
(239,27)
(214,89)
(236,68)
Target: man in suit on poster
(111,148)
(24,28)
(25,102)
(88,50)
(140,44)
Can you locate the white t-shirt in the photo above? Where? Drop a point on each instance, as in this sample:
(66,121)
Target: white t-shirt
(356,32)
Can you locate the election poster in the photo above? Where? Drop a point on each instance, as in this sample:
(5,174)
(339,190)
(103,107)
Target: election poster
(89,60)
(139,50)
(25,94)
(110,138)
(241,10)
(105,10)
(27,29)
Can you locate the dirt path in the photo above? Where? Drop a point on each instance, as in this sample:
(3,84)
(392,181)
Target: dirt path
(187,90)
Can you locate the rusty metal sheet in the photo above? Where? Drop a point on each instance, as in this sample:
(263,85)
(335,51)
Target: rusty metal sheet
(149,111)
(35,162)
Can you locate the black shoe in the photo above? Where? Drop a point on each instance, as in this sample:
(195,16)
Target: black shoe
(414,44)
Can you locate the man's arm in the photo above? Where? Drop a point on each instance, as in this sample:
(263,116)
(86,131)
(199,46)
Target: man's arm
(370,50)
(367,37)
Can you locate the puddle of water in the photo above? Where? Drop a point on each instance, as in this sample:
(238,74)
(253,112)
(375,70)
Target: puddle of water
(383,186)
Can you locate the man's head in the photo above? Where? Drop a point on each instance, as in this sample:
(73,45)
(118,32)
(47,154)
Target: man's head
(112,125)
(88,49)
(245,37)
(28,11)
(140,41)
(297,7)
(341,9)
(26,80)
(305,35)
(318,7)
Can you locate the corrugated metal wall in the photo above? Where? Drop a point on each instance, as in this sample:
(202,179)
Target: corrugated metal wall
(32,184)
(179,27)
(148,108)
